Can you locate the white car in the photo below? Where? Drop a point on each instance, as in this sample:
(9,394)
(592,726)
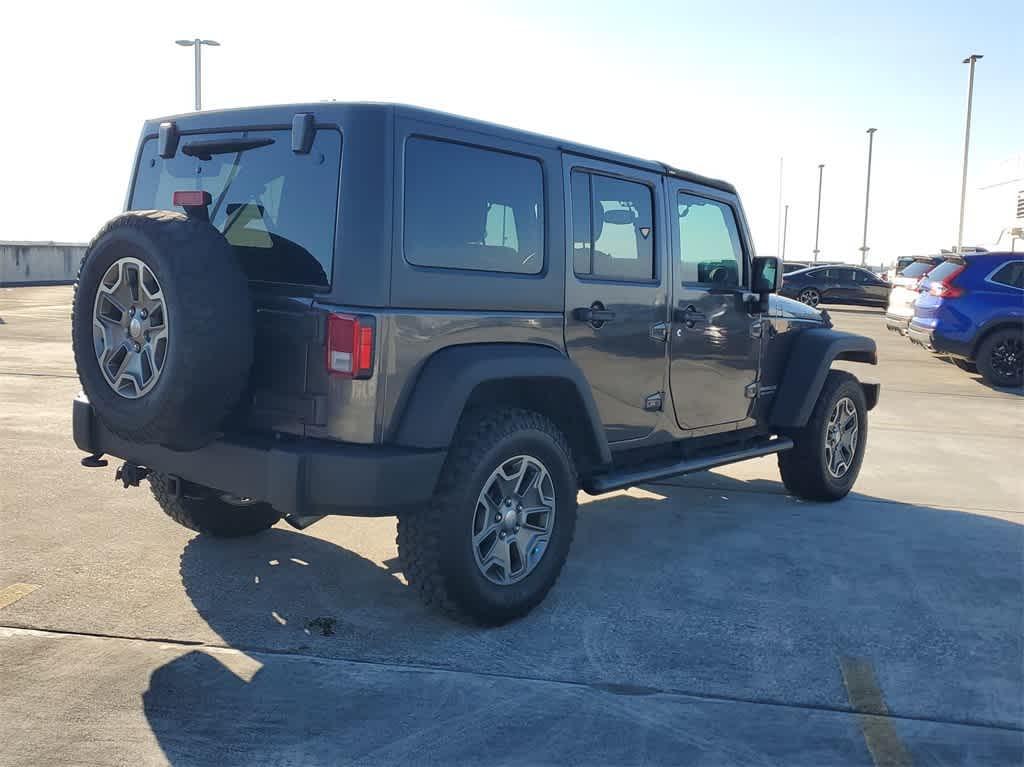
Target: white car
(900,310)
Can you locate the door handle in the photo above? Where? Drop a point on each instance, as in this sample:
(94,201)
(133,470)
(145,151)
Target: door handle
(593,314)
(690,317)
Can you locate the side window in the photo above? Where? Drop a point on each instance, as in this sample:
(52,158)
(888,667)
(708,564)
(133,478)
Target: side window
(470,208)
(710,252)
(1011,274)
(613,228)
(845,276)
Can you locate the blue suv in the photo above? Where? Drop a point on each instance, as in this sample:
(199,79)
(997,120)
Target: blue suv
(971,308)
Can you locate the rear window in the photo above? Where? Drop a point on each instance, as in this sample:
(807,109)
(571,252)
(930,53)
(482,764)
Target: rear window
(471,208)
(917,269)
(276,208)
(944,270)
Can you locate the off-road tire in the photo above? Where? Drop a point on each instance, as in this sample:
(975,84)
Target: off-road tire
(803,468)
(434,543)
(988,347)
(209,313)
(202,509)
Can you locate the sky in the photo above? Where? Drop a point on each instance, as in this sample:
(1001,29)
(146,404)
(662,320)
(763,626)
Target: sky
(723,89)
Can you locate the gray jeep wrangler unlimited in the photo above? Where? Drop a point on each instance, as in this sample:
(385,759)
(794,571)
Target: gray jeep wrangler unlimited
(381,310)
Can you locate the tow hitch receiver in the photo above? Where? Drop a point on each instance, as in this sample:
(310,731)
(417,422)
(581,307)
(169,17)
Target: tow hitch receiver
(131,475)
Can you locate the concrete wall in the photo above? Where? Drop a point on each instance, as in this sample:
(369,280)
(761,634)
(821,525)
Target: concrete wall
(39,263)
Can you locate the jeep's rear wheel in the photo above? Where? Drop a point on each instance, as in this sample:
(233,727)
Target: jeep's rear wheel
(827,453)
(493,541)
(209,511)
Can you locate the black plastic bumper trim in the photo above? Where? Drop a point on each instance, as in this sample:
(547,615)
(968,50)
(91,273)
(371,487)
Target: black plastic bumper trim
(302,477)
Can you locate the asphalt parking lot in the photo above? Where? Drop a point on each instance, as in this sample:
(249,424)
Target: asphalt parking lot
(707,620)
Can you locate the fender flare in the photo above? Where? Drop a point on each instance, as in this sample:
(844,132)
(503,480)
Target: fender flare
(810,359)
(450,376)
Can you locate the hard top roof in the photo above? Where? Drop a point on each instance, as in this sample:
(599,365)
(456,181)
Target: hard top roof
(282,114)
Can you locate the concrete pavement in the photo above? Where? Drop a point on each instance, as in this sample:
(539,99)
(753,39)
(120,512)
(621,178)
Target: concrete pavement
(711,619)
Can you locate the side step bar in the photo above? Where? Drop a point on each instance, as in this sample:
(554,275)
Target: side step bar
(616,480)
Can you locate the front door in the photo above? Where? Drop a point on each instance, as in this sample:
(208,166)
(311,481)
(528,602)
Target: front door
(715,340)
(616,292)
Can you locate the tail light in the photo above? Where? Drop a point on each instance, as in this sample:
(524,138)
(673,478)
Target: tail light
(350,341)
(945,288)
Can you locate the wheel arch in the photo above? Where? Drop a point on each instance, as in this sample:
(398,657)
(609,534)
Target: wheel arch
(1008,323)
(458,379)
(810,359)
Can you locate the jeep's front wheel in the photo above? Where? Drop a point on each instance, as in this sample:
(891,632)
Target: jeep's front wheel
(493,541)
(827,453)
(209,511)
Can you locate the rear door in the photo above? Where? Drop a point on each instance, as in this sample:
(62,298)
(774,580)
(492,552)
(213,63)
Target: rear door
(716,331)
(616,292)
(277,209)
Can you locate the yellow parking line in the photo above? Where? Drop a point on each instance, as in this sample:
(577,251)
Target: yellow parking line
(14,592)
(866,698)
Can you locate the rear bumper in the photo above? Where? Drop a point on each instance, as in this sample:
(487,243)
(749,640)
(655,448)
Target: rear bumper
(920,336)
(934,340)
(304,477)
(897,323)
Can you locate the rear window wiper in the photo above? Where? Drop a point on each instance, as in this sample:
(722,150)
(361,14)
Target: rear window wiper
(204,150)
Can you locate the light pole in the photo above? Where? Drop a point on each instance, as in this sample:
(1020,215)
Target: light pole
(867,198)
(817,222)
(778,223)
(785,225)
(972,59)
(198,44)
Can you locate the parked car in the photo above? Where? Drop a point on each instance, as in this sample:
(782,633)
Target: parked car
(971,308)
(889,275)
(789,267)
(445,320)
(904,292)
(836,285)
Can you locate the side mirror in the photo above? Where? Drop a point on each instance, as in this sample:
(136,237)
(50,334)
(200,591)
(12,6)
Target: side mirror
(767,275)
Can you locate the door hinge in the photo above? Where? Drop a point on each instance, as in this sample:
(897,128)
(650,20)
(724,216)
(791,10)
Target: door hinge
(659,331)
(750,390)
(653,402)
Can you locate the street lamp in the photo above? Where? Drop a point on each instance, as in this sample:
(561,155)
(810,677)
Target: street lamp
(967,143)
(867,197)
(785,226)
(198,44)
(817,222)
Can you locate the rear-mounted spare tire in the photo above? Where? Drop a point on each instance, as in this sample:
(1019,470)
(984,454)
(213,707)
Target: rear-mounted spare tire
(162,328)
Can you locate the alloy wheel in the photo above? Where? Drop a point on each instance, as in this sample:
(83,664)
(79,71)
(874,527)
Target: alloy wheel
(810,297)
(130,328)
(513,520)
(1008,359)
(841,434)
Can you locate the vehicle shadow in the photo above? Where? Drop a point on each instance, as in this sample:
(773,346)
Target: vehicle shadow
(708,585)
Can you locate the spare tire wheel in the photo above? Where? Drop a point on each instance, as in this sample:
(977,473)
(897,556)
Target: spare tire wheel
(162,328)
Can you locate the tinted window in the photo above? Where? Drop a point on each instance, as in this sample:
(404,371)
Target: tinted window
(918,269)
(613,228)
(865,277)
(275,207)
(943,270)
(469,208)
(843,275)
(709,242)
(1011,274)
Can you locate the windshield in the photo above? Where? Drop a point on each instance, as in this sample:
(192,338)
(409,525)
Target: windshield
(276,208)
